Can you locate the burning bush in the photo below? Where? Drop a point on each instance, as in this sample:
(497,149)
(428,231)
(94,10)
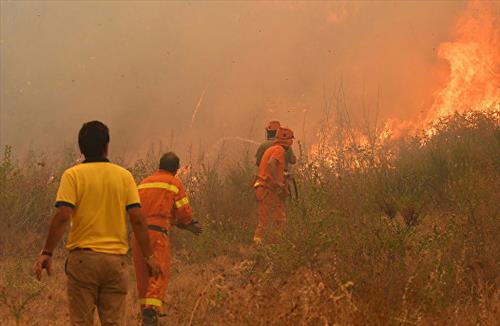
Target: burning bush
(407,239)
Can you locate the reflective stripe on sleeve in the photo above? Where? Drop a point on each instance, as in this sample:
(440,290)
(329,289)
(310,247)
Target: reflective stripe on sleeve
(257,184)
(150,302)
(181,202)
(159,185)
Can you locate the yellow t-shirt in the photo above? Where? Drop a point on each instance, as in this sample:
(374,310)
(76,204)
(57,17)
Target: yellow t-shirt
(100,193)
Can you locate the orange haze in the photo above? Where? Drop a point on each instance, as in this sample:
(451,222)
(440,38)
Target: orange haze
(474,60)
(193,72)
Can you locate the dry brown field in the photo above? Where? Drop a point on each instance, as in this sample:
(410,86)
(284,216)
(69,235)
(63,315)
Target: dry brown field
(406,236)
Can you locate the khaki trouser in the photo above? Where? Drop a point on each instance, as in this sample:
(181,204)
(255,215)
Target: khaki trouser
(96,280)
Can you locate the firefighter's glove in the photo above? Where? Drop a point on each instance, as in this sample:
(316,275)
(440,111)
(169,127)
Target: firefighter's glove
(194,227)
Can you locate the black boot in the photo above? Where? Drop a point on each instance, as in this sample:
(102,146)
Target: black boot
(149,317)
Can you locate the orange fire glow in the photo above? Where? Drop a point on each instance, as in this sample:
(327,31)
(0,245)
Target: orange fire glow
(474,61)
(473,83)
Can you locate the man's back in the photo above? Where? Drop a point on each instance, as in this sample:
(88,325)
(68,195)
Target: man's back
(100,193)
(289,156)
(164,200)
(278,153)
(95,197)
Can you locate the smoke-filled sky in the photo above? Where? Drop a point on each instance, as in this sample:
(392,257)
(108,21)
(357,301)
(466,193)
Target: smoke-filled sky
(142,67)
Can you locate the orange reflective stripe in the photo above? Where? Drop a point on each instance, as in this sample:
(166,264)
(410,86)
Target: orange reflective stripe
(151,302)
(159,185)
(181,202)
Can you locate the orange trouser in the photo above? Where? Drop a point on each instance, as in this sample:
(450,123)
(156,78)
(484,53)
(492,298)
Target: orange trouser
(151,291)
(271,204)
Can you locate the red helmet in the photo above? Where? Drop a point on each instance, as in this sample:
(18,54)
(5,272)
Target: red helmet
(273,125)
(284,133)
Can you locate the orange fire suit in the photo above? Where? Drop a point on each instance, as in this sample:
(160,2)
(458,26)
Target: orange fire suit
(164,204)
(270,197)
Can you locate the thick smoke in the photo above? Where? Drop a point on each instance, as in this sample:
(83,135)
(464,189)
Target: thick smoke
(144,68)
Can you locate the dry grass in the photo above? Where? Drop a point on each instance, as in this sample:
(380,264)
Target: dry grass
(410,240)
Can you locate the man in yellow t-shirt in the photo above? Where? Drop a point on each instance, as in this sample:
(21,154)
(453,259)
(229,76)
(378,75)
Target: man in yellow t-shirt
(95,197)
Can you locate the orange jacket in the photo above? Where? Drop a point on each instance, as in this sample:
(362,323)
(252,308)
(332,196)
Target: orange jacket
(264,177)
(164,201)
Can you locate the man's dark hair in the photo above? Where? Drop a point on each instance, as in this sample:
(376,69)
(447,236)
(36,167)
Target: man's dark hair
(170,162)
(93,138)
(271,134)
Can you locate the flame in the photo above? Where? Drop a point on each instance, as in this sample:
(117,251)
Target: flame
(474,78)
(473,85)
(396,129)
(474,61)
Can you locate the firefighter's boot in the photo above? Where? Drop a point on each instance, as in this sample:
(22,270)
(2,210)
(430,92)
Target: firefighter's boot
(149,317)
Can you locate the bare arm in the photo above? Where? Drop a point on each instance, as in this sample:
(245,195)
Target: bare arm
(56,232)
(140,231)
(57,227)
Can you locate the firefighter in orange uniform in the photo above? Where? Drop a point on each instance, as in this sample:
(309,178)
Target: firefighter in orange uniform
(271,129)
(270,187)
(165,204)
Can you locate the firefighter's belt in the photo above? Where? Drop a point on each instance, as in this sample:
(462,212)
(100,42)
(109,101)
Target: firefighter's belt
(158,229)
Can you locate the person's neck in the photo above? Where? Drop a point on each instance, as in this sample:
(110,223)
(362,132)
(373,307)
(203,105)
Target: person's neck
(94,159)
(168,172)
